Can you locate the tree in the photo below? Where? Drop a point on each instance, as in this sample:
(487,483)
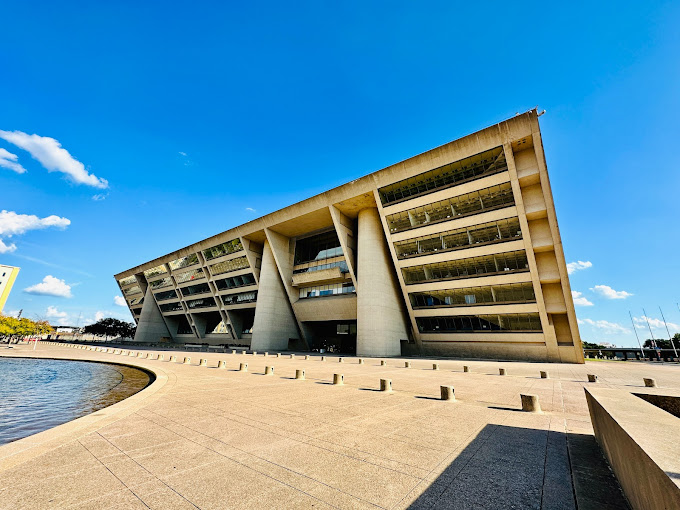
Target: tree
(662,343)
(589,345)
(12,327)
(110,327)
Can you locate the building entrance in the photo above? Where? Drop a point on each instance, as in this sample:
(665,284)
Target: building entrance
(332,336)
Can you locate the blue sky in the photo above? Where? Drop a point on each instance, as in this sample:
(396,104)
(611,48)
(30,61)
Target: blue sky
(237,111)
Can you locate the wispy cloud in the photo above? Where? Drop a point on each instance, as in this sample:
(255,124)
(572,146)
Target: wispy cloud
(182,153)
(641,323)
(51,264)
(9,161)
(579,265)
(57,317)
(54,157)
(12,224)
(185,158)
(50,286)
(607,327)
(120,301)
(609,293)
(580,299)
(250,209)
(99,197)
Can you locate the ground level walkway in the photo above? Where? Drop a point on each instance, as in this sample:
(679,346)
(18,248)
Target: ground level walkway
(206,437)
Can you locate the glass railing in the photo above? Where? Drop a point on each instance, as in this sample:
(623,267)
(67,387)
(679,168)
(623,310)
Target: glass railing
(467,267)
(467,296)
(201,288)
(235,281)
(194,274)
(159,284)
(155,271)
(181,262)
(220,250)
(488,199)
(486,233)
(229,265)
(132,290)
(480,323)
(237,299)
(326,290)
(129,280)
(342,264)
(171,307)
(453,174)
(164,296)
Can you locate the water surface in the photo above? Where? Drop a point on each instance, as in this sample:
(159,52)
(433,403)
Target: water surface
(38,394)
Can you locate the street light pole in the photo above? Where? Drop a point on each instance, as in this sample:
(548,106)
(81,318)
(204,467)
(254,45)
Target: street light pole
(669,333)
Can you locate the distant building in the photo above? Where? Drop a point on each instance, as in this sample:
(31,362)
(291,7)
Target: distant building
(8,274)
(454,252)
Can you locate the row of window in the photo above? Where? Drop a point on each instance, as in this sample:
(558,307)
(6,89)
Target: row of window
(342,264)
(495,231)
(187,276)
(201,303)
(487,199)
(229,265)
(326,290)
(508,293)
(171,307)
(223,249)
(137,301)
(235,281)
(317,247)
(487,323)
(467,169)
(163,282)
(155,271)
(200,288)
(237,299)
(467,267)
(188,260)
(164,296)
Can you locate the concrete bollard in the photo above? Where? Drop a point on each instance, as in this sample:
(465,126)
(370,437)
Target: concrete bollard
(266,354)
(244,352)
(254,353)
(361,361)
(592,378)
(139,354)
(203,362)
(323,358)
(544,375)
(501,371)
(173,359)
(268,370)
(243,367)
(407,364)
(222,364)
(187,361)
(649,383)
(306,357)
(300,374)
(278,354)
(385,384)
(338,379)
(341,360)
(447,393)
(383,362)
(292,356)
(435,366)
(233,351)
(530,403)
(466,368)
(161,357)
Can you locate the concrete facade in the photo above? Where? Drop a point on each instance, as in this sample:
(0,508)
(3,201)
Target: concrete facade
(454,252)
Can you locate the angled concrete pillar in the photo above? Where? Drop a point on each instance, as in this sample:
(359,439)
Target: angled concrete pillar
(274,322)
(381,319)
(151,326)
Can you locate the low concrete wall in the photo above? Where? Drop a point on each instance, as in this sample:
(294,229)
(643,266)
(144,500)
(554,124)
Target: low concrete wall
(641,443)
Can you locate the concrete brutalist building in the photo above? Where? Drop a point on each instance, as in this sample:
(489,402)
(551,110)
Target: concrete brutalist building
(454,252)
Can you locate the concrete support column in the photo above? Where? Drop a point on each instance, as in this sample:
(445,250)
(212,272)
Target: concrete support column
(274,323)
(381,320)
(151,326)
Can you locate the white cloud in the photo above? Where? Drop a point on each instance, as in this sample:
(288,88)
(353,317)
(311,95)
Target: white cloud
(99,197)
(609,293)
(52,156)
(579,265)
(120,301)
(50,286)
(641,323)
(9,161)
(12,223)
(7,248)
(606,326)
(250,209)
(57,317)
(579,299)
(182,153)
(99,316)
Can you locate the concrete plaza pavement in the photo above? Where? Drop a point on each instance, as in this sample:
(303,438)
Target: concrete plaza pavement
(204,437)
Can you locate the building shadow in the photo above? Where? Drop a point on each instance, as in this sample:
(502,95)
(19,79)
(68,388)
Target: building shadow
(513,467)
